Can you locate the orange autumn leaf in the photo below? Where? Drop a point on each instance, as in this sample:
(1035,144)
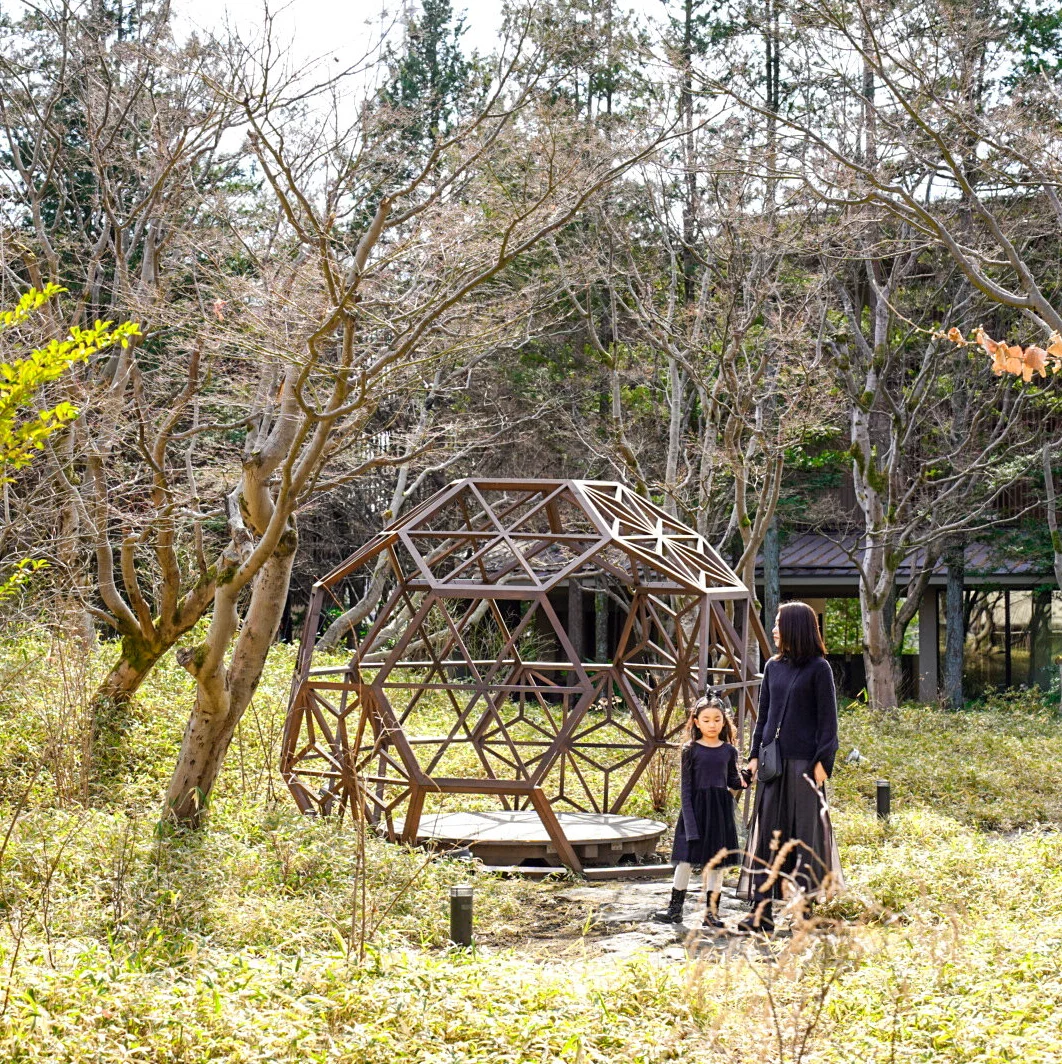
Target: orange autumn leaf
(986,341)
(1035,361)
(1018,361)
(1054,349)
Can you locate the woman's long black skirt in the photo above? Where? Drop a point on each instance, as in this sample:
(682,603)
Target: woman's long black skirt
(790,816)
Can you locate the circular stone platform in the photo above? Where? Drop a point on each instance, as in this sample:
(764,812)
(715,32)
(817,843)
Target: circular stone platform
(517,837)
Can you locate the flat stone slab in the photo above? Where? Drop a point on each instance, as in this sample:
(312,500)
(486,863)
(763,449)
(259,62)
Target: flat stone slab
(522,827)
(510,837)
(631,942)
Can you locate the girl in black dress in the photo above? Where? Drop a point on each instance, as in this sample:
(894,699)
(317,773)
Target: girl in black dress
(706,833)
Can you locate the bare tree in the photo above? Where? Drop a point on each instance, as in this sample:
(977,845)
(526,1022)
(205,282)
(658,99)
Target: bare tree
(380,266)
(292,295)
(720,334)
(116,158)
(890,101)
(935,440)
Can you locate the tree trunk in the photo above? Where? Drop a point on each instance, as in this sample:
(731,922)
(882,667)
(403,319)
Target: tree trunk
(206,741)
(676,395)
(223,692)
(954,620)
(108,713)
(575,622)
(348,622)
(126,675)
(601,626)
(772,588)
(880,659)
(877,605)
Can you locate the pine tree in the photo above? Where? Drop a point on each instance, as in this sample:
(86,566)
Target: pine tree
(431,76)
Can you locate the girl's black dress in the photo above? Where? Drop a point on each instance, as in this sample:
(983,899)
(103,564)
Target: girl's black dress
(706,824)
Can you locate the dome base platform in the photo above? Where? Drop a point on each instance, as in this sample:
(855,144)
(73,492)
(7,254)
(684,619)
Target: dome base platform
(516,840)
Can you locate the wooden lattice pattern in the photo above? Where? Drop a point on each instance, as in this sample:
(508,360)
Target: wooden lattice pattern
(471,633)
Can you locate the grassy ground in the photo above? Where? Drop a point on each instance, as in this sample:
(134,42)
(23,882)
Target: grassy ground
(244,942)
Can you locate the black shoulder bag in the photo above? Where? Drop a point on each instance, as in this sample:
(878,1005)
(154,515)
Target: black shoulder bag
(770,765)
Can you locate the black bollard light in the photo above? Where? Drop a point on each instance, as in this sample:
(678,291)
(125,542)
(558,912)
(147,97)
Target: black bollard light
(884,799)
(461,914)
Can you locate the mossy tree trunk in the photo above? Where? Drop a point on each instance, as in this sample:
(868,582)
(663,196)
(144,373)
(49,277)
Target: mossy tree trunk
(225,689)
(880,656)
(135,660)
(146,640)
(140,651)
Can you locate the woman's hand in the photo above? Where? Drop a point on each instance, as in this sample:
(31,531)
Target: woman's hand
(820,774)
(752,766)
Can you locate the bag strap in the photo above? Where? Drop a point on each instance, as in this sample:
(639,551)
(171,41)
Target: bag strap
(785,701)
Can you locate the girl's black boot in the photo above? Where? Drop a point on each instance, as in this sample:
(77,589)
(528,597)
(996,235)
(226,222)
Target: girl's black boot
(711,913)
(673,913)
(759,921)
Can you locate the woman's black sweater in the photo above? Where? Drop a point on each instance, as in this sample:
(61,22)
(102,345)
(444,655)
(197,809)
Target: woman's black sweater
(809,730)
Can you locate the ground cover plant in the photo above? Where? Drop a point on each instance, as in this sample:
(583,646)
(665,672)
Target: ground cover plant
(269,936)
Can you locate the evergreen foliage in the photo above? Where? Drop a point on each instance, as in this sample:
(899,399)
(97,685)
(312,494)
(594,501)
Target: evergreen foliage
(432,81)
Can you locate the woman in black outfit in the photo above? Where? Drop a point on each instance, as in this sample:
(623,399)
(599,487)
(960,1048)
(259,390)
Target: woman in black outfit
(798,702)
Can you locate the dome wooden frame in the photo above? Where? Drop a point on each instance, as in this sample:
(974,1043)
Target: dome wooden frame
(481,563)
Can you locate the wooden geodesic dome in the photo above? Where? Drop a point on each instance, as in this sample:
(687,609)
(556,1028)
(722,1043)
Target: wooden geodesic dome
(472,679)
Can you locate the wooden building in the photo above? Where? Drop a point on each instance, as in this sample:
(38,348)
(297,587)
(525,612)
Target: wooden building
(1014,599)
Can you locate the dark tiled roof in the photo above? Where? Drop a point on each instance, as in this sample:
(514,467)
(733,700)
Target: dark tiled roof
(810,556)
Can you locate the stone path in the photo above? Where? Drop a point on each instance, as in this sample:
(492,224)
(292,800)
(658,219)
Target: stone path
(622,910)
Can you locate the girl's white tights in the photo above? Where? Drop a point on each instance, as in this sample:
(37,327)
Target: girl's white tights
(713,878)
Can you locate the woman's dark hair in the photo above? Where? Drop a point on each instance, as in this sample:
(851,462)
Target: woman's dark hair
(692,733)
(799,637)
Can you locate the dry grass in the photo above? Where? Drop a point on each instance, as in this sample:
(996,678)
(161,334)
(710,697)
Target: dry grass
(235,944)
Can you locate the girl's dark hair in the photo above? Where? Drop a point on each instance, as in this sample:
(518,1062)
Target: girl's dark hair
(692,733)
(798,630)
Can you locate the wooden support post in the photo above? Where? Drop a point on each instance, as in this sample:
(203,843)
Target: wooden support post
(556,833)
(1008,664)
(928,646)
(411,824)
(575,623)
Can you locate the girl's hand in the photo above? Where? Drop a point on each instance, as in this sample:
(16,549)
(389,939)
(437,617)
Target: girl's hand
(820,774)
(752,766)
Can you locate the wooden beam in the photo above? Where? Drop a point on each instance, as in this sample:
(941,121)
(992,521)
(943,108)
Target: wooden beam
(411,823)
(550,822)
